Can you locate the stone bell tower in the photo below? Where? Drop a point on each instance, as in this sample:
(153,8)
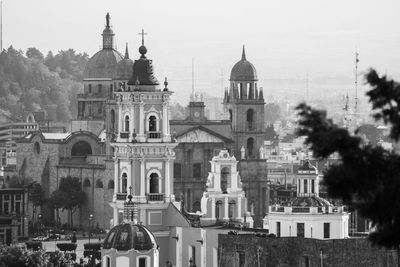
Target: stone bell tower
(245,103)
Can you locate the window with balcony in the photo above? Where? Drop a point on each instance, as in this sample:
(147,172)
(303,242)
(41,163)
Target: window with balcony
(124,184)
(154,187)
(126,123)
(152,124)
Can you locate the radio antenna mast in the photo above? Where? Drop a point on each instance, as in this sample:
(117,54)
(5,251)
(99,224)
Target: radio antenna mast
(356,83)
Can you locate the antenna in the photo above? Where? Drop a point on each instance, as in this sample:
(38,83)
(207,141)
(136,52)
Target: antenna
(192,76)
(356,82)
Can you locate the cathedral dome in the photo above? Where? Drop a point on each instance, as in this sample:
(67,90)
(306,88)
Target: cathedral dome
(124,67)
(243,70)
(102,64)
(129,236)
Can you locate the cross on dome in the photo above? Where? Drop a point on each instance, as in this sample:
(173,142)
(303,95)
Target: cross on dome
(142,34)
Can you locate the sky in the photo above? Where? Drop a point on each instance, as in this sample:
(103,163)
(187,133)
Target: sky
(284,39)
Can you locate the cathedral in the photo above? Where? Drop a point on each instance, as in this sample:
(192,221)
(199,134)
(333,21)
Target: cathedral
(124,143)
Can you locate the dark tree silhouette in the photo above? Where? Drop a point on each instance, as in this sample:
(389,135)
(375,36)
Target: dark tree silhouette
(69,196)
(367,177)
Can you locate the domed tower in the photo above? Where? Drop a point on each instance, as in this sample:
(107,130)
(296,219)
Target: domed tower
(245,103)
(98,77)
(130,244)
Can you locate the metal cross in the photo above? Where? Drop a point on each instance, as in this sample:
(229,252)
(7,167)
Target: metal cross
(142,34)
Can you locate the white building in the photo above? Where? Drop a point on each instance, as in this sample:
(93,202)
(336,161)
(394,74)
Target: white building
(308,215)
(224,198)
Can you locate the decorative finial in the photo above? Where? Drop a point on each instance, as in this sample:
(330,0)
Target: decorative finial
(243,54)
(108,20)
(126,52)
(166,84)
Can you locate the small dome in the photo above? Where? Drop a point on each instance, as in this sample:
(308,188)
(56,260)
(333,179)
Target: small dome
(102,64)
(243,70)
(312,201)
(143,71)
(130,236)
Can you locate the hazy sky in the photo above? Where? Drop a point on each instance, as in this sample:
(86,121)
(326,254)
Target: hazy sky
(284,39)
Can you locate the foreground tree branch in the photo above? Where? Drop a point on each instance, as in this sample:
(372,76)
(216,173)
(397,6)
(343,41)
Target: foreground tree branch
(368,177)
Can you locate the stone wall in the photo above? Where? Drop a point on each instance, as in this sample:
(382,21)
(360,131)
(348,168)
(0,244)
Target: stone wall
(249,250)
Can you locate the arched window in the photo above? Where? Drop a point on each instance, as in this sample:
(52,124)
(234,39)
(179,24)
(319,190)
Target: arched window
(124,184)
(225,179)
(126,123)
(81,149)
(99,184)
(86,183)
(230,115)
(250,147)
(112,120)
(250,119)
(231,211)
(154,188)
(152,123)
(111,184)
(107,261)
(218,210)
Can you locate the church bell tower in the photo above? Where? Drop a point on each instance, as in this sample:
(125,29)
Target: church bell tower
(245,103)
(141,144)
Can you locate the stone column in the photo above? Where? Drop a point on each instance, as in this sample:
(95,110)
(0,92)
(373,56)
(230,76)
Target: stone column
(120,119)
(226,208)
(239,208)
(141,121)
(116,177)
(167,181)
(131,122)
(129,178)
(142,178)
(115,216)
(213,208)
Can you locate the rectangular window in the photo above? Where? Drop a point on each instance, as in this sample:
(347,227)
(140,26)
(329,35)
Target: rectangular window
(90,88)
(177,170)
(142,262)
(192,255)
(197,170)
(313,186)
(305,187)
(300,229)
(327,230)
(278,229)
(100,88)
(242,259)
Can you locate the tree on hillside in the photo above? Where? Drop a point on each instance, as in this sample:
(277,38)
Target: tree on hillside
(69,196)
(367,177)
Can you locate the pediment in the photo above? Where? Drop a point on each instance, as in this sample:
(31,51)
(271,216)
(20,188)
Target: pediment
(199,136)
